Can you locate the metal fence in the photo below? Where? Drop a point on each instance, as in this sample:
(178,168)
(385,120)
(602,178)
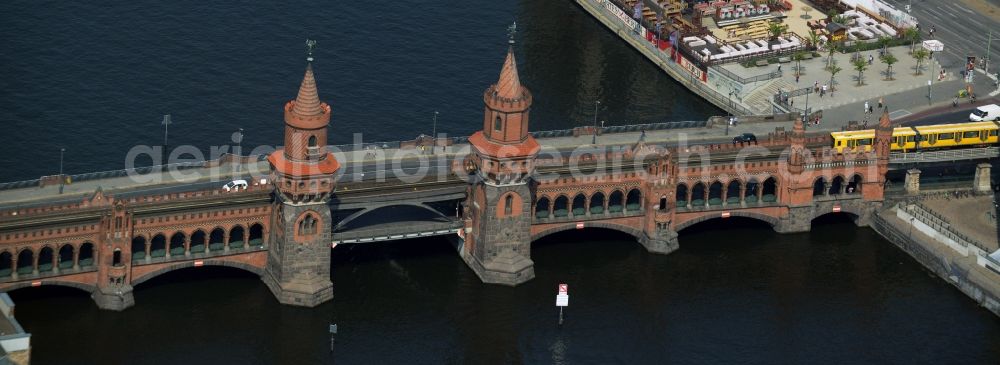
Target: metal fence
(940,224)
(762,77)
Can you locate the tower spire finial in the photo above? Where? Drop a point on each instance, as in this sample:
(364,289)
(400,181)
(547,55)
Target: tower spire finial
(310,45)
(511,30)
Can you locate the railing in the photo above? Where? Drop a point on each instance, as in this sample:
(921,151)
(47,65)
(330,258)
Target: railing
(762,77)
(782,99)
(945,155)
(939,224)
(124,172)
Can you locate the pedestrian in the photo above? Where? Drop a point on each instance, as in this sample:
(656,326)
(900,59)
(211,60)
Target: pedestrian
(871,59)
(816,87)
(881,102)
(867,110)
(779,67)
(932,31)
(973,95)
(796,77)
(823,91)
(954,102)
(791,102)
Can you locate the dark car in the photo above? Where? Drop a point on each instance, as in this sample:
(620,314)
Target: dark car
(745,138)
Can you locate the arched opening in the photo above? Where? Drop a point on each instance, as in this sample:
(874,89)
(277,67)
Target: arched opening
(45,257)
(25,262)
(837,185)
(138,248)
(86,258)
(66,256)
(561,207)
(698,195)
(819,186)
(715,193)
(236,238)
(682,196)
(217,240)
(770,190)
(615,201)
(633,201)
(257,235)
(508,205)
(854,187)
(751,192)
(542,208)
(579,204)
(497,124)
(6,259)
(158,246)
(733,192)
(312,141)
(597,203)
(177,244)
(197,241)
(663,203)
(116,258)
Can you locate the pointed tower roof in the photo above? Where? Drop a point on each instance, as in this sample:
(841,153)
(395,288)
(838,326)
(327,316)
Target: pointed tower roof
(509,85)
(307,102)
(884,121)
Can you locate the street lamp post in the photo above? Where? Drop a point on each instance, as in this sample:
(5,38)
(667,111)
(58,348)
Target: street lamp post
(596,104)
(239,151)
(166,122)
(434,127)
(62,180)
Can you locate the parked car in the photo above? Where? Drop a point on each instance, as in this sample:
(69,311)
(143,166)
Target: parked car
(745,138)
(985,113)
(235,185)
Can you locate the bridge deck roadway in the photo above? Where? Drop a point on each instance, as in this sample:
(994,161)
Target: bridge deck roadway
(397,165)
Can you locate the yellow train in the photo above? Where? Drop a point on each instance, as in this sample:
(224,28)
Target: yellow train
(923,137)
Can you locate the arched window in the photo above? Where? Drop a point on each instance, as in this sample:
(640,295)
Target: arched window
(117,259)
(508,204)
(498,124)
(312,141)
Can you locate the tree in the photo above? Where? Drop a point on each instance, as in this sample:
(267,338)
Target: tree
(883,42)
(889,59)
(798,56)
(833,69)
(860,65)
(776,29)
(912,35)
(813,40)
(920,55)
(831,48)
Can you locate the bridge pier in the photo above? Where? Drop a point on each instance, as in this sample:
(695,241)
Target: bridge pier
(798,219)
(981,183)
(663,242)
(113,298)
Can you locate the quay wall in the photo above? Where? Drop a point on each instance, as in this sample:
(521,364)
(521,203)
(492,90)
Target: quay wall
(959,271)
(690,76)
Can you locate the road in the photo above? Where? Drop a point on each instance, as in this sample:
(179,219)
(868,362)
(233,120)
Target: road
(963,30)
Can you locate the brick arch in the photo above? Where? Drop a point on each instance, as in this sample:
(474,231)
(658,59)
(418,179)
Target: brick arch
(851,209)
(713,215)
(516,202)
(632,231)
(47,282)
(189,264)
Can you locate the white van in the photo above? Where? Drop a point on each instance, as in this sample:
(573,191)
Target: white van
(985,113)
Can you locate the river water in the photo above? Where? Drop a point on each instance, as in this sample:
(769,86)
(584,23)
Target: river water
(97,79)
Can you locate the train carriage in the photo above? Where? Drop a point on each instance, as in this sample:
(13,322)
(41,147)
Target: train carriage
(905,139)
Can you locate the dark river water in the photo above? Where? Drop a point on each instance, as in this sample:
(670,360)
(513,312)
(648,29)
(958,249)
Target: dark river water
(96,80)
(736,292)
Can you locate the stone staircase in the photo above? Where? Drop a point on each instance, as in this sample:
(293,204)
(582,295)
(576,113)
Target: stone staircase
(759,100)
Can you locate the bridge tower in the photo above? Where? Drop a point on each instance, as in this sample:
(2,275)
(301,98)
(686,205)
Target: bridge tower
(660,205)
(797,192)
(298,263)
(114,259)
(498,240)
(874,188)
